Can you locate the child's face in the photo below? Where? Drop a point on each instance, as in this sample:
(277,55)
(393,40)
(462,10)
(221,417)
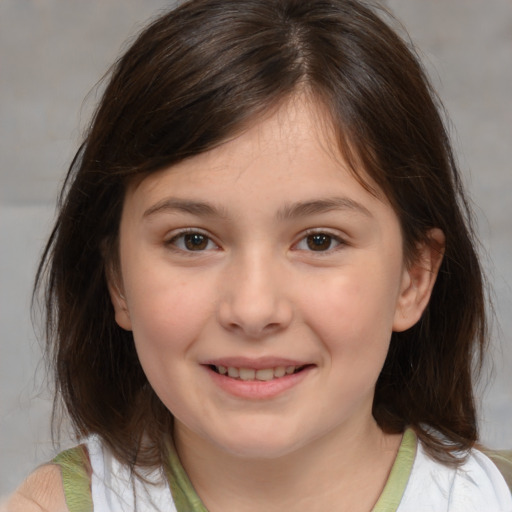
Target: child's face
(263,255)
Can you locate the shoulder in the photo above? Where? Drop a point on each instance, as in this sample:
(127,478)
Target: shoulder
(60,486)
(476,485)
(480,476)
(503,460)
(93,478)
(42,491)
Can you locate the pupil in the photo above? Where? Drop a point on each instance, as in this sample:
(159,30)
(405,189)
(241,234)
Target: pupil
(196,241)
(319,242)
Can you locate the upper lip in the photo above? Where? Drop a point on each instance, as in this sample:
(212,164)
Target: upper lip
(254,363)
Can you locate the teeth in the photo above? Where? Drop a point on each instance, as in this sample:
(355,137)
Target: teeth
(233,372)
(267,374)
(264,374)
(280,371)
(247,374)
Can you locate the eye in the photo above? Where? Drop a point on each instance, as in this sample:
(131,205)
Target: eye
(318,242)
(192,241)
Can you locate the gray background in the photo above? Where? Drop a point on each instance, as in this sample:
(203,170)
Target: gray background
(52,52)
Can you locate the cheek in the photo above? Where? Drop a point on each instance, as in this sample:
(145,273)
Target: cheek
(168,314)
(353,313)
(167,320)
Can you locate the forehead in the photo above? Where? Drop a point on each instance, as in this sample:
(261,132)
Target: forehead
(289,155)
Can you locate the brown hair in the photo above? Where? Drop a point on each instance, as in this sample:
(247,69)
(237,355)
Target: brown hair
(193,78)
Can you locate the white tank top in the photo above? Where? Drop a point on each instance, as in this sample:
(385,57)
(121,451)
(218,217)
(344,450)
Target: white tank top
(115,489)
(476,486)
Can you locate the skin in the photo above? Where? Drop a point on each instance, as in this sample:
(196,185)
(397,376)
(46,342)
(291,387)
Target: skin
(41,492)
(253,289)
(293,261)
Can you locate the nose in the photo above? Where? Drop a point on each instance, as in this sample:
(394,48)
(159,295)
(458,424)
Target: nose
(254,301)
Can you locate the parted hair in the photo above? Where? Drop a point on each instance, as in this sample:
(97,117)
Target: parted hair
(195,77)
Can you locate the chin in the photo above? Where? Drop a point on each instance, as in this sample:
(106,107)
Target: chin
(259,443)
(259,450)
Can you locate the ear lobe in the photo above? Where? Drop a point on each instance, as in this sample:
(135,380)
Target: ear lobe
(418,281)
(122,314)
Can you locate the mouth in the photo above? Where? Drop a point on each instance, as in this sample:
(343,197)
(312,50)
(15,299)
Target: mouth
(261,374)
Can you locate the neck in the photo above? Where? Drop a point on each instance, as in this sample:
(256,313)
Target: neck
(348,470)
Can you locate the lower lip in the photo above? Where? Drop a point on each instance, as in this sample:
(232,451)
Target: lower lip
(258,389)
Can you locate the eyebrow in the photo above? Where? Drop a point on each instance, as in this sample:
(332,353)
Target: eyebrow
(318,206)
(198,208)
(289,211)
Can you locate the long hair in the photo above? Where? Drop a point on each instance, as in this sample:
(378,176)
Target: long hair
(195,77)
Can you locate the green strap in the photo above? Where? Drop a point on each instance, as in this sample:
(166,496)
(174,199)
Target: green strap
(75,469)
(187,500)
(182,490)
(503,461)
(399,475)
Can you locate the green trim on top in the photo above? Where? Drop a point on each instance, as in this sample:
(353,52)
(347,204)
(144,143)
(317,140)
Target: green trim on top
(399,476)
(76,477)
(187,500)
(182,490)
(76,481)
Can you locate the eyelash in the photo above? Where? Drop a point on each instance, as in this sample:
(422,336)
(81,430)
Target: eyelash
(331,238)
(321,233)
(172,242)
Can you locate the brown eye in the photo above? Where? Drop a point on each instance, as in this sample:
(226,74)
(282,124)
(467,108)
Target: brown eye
(195,241)
(192,241)
(319,242)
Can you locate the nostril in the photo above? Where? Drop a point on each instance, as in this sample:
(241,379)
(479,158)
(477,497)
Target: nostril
(254,318)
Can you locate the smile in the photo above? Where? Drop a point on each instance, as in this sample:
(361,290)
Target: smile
(257,379)
(263,374)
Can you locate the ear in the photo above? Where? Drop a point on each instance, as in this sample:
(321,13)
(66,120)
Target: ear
(116,291)
(418,281)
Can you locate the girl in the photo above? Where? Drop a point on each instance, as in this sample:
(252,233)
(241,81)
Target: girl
(262,290)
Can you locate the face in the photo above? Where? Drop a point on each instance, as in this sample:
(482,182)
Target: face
(262,283)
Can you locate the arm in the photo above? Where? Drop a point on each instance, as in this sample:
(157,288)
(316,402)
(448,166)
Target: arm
(42,491)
